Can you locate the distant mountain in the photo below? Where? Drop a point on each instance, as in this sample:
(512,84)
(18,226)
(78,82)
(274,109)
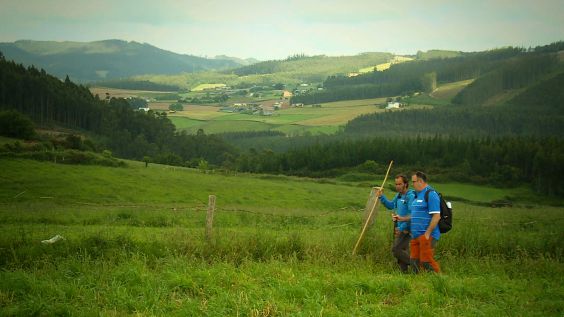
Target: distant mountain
(432,54)
(291,71)
(109,59)
(240,61)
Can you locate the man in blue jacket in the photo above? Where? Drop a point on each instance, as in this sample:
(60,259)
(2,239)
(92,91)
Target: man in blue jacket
(425,215)
(401,205)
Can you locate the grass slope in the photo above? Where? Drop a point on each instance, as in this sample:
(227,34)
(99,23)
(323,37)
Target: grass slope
(134,244)
(313,69)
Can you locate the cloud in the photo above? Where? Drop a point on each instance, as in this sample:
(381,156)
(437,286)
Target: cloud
(276,29)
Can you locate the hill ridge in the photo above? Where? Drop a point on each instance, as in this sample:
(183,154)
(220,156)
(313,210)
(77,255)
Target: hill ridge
(106,59)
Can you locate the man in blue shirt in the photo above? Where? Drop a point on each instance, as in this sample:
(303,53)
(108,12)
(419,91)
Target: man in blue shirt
(425,215)
(401,204)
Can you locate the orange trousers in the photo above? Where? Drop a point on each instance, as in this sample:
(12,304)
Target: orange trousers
(422,254)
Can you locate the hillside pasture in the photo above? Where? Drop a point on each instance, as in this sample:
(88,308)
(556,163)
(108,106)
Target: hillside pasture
(448,91)
(202,87)
(383,66)
(187,124)
(200,112)
(125,93)
(325,119)
(134,244)
(160,105)
(219,126)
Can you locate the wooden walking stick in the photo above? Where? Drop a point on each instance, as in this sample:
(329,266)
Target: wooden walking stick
(371,212)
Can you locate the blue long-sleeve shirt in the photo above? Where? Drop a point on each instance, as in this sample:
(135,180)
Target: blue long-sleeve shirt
(401,204)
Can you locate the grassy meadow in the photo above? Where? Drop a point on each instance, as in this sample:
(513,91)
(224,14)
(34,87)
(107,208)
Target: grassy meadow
(325,119)
(126,93)
(135,244)
(448,91)
(441,96)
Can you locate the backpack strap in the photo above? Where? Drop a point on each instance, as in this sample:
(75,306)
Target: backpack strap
(427,195)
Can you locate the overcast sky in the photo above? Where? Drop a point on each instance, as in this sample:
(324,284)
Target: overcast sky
(276,29)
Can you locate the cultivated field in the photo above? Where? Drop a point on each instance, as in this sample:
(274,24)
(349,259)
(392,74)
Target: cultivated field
(135,244)
(325,119)
(124,93)
(293,121)
(203,87)
(384,66)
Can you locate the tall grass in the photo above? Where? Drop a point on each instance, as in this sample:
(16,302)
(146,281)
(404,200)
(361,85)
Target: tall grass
(135,244)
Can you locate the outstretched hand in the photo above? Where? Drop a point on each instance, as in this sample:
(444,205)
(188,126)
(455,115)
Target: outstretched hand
(378,191)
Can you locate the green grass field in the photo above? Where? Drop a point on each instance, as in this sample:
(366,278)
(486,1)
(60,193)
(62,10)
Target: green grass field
(448,91)
(135,245)
(293,121)
(326,120)
(219,126)
(441,96)
(202,87)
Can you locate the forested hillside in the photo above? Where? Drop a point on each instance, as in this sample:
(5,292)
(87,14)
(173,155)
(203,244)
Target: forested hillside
(529,83)
(115,125)
(514,73)
(312,68)
(291,72)
(546,96)
(537,111)
(504,68)
(103,60)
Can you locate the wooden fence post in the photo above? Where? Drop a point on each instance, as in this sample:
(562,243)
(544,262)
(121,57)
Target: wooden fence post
(209,217)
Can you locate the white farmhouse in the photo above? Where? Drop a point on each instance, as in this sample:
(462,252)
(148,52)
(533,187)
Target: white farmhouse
(393,105)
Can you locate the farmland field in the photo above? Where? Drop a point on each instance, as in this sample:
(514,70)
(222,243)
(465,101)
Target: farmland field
(203,87)
(325,119)
(384,66)
(218,126)
(124,93)
(448,91)
(134,243)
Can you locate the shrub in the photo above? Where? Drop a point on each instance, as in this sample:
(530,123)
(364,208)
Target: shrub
(176,107)
(16,125)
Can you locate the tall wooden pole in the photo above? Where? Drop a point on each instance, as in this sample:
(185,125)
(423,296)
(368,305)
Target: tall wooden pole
(371,212)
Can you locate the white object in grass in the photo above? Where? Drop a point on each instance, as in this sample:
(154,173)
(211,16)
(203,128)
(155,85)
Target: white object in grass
(53,240)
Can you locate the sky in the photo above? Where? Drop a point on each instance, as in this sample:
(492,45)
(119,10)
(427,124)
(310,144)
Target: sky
(277,29)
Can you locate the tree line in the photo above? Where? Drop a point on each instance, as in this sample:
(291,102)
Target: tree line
(503,161)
